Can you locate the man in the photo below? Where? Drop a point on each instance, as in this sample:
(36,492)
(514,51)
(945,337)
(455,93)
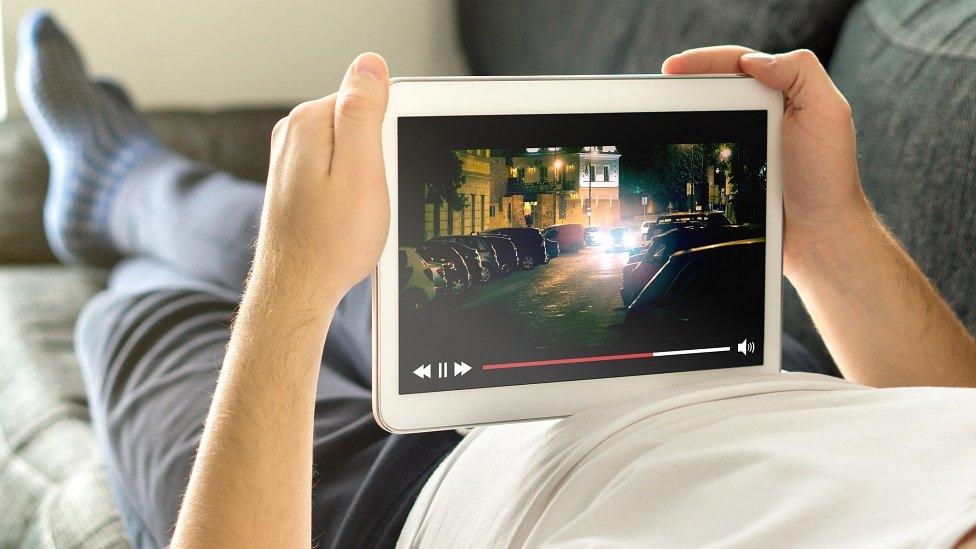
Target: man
(289,454)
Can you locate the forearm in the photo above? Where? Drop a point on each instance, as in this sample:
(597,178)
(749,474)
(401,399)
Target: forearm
(251,484)
(251,481)
(882,320)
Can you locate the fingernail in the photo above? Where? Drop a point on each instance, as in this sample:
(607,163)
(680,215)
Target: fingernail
(369,64)
(759,56)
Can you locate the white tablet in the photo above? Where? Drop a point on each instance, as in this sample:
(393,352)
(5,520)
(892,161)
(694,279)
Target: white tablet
(557,243)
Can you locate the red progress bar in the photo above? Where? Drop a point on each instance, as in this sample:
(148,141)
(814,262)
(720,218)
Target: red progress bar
(577,360)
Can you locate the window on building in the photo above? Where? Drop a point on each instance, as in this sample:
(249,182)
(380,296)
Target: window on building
(592,173)
(606,173)
(543,173)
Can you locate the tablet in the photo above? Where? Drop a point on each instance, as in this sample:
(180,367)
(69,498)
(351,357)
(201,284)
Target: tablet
(558,243)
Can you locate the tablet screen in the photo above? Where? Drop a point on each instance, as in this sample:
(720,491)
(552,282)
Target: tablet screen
(560,247)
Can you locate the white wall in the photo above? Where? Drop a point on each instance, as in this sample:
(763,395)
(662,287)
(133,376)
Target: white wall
(206,53)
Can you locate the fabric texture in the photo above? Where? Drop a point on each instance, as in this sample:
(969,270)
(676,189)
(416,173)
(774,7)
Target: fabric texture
(634,36)
(53,487)
(744,460)
(23,186)
(908,68)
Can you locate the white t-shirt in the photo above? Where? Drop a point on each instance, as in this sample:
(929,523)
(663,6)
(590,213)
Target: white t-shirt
(746,460)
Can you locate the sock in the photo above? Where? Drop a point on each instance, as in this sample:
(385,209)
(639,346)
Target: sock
(92,138)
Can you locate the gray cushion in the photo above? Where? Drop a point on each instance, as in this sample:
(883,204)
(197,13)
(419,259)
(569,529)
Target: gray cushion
(634,36)
(53,489)
(908,68)
(234,140)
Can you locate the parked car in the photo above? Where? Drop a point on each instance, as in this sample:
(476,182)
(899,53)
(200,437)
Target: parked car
(486,252)
(455,269)
(552,248)
(568,235)
(529,243)
(714,291)
(505,252)
(417,287)
(668,221)
(479,271)
(637,273)
(620,238)
(440,277)
(592,236)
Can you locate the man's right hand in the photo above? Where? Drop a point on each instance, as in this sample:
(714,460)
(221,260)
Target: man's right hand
(822,196)
(881,319)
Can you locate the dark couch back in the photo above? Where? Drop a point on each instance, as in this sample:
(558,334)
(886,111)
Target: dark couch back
(634,36)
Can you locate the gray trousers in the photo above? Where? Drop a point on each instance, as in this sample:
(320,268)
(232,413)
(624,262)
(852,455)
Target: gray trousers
(151,345)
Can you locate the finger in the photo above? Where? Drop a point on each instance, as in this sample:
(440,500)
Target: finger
(710,60)
(798,74)
(360,106)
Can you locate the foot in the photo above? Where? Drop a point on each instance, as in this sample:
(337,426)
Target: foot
(90,134)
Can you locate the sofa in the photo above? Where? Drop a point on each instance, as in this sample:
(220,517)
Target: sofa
(908,68)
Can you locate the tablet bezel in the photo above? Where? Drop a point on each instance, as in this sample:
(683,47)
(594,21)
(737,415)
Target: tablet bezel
(451,96)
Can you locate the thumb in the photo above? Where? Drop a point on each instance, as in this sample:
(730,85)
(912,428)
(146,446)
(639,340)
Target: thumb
(359,110)
(798,74)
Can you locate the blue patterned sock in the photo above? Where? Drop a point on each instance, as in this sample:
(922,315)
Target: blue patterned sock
(90,134)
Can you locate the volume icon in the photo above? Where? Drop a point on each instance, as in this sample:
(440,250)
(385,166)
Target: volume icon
(746,347)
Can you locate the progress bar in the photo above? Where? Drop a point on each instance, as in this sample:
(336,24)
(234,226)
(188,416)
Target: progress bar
(602,358)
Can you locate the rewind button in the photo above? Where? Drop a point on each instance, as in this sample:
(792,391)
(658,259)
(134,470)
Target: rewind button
(423,372)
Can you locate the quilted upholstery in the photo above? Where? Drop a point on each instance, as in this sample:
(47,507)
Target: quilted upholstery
(52,485)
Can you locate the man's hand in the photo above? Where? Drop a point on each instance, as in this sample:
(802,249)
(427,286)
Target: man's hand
(822,196)
(882,321)
(327,209)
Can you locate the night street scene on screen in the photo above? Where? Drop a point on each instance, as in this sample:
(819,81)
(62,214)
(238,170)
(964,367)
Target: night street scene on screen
(627,253)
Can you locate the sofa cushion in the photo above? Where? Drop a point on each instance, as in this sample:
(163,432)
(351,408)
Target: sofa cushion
(53,489)
(233,140)
(634,36)
(908,68)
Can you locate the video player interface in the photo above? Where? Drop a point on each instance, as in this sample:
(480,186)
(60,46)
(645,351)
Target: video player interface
(543,248)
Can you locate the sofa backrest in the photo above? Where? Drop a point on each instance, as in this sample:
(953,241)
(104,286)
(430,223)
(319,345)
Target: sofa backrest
(633,36)
(235,140)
